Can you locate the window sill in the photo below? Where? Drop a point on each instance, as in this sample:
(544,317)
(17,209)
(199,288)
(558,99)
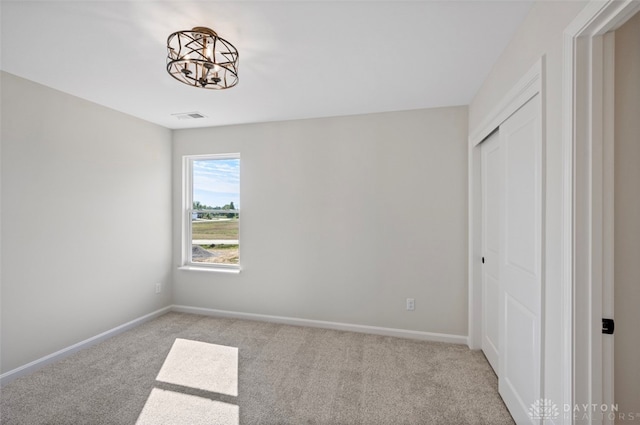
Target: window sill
(231,270)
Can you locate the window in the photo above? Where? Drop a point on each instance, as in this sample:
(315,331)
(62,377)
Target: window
(212,212)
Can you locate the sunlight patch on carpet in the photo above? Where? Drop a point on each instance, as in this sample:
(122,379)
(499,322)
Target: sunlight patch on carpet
(208,367)
(169,407)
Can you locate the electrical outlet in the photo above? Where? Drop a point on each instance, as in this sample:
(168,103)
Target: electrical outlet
(411,304)
(158,287)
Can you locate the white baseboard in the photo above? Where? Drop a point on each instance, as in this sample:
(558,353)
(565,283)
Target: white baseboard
(28,368)
(376,330)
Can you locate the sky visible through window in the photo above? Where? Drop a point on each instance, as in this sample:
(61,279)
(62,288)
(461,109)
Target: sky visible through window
(216,182)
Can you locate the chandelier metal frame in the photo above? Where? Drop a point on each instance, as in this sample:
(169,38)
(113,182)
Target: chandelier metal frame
(199,58)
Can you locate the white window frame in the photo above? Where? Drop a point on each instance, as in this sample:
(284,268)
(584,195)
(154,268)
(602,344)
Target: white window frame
(187,212)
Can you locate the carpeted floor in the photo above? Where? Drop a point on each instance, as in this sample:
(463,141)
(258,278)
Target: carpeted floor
(228,371)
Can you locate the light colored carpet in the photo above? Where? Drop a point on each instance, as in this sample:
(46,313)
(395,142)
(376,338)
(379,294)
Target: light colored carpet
(189,370)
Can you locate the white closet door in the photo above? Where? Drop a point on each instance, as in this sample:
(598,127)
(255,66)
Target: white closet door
(491,175)
(520,262)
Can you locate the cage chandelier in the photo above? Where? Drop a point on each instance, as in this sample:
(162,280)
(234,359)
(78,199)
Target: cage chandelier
(199,58)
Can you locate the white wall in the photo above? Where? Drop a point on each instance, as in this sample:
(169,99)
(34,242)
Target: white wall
(627,214)
(343,219)
(540,34)
(86,220)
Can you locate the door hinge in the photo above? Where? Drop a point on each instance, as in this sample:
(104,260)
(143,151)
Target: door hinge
(608,326)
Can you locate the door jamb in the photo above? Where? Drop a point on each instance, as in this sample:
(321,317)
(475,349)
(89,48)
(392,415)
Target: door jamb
(586,143)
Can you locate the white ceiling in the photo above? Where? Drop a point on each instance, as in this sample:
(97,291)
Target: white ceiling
(298,59)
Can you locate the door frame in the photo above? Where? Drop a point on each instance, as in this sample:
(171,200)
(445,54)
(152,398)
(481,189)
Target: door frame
(527,87)
(587,208)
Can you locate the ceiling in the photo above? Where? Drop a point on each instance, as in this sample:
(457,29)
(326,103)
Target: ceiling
(298,59)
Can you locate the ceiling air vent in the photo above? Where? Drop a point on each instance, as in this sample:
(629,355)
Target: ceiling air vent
(189,115)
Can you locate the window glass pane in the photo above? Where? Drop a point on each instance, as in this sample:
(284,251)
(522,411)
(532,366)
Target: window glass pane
(215,218)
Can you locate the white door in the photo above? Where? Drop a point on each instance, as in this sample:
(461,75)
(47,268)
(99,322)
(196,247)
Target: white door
(491,174)
(521,263)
